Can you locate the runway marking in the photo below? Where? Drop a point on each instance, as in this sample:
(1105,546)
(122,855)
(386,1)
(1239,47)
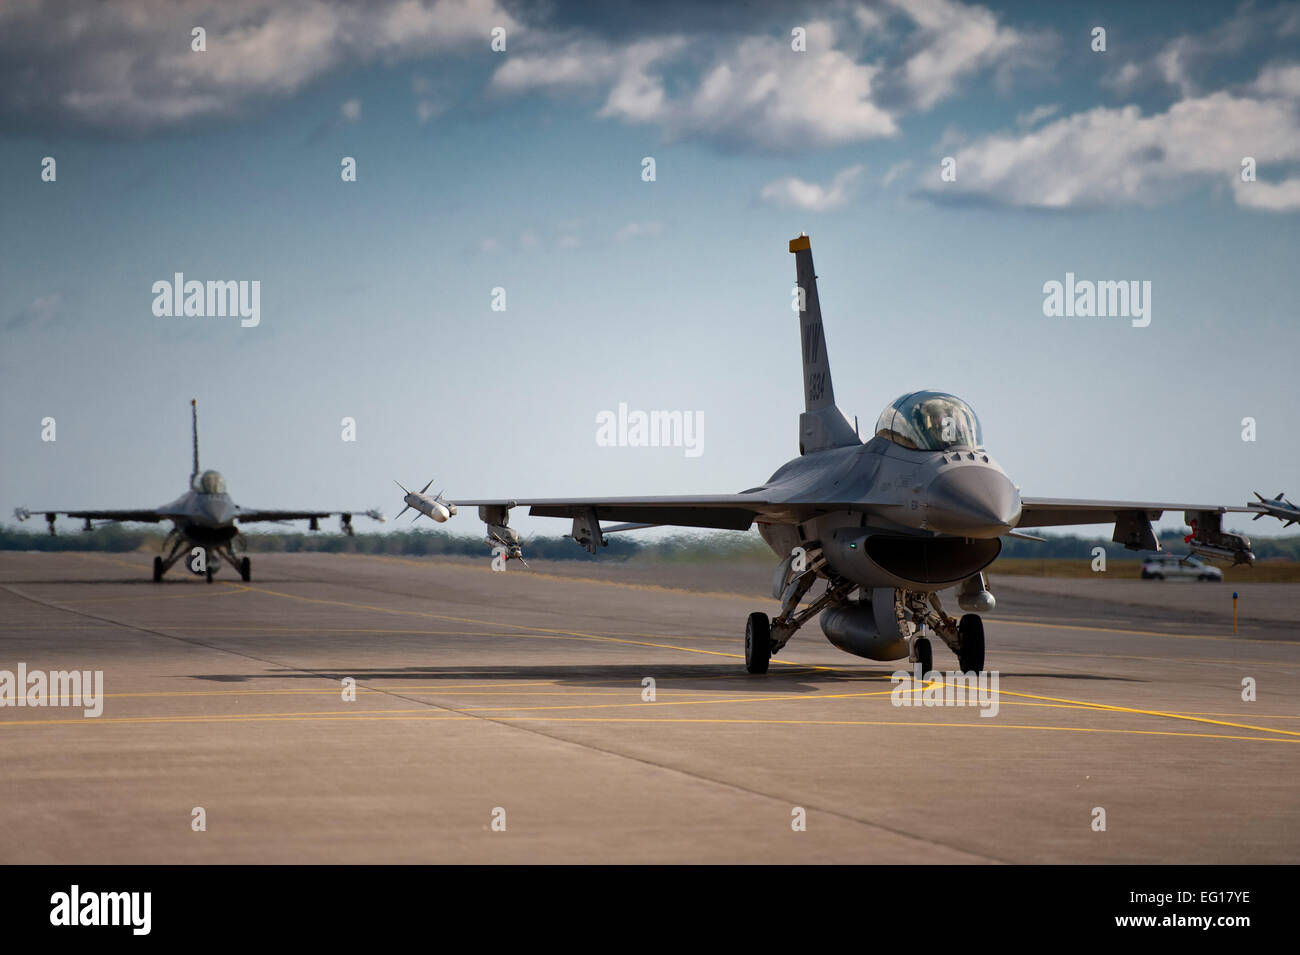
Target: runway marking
(233,588)
(326,691)
(569,634)
(423,714)
(1114,708)
(555,690)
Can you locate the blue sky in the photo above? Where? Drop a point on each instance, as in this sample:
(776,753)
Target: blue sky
(522,170)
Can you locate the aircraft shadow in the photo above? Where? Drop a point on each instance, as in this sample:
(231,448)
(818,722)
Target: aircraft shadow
(713,677)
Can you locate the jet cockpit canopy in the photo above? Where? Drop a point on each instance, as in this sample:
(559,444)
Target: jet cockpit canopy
(211,482)
(930,421)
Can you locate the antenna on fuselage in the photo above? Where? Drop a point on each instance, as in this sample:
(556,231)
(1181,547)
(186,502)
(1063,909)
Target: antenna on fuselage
(194,420)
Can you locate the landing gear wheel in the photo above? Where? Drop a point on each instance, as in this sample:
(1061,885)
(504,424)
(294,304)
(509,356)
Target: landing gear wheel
(924,656)
(246,569)
(970,633)
(209,573)
(758,643)
(157,569)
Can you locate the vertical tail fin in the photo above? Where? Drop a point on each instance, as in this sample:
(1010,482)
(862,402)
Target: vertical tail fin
(822,425)
(194,420)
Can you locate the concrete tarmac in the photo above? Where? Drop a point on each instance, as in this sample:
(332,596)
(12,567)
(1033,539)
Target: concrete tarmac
(486,699)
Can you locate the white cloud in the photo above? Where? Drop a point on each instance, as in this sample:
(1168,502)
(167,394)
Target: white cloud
(1283,196)
(797,193)
(1185,61)
(114,66)
(756,92)
(1282,79)
(1036,115)
(350,110)
(1106,156)
(954,41)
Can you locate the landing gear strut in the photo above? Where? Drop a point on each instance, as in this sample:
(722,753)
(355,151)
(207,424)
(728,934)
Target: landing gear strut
(163,564)
(241,564)
(782,627)
(964,637)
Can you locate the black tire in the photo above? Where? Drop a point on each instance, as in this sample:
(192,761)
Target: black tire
(924,656)
(246,569)
(208,573)
(157,569)
(1157,576)
(758,643)
(970,633)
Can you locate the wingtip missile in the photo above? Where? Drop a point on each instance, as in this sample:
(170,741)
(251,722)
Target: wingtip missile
(435,507)
(1279,507)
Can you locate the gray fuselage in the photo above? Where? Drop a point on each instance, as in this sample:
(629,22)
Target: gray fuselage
(911,519)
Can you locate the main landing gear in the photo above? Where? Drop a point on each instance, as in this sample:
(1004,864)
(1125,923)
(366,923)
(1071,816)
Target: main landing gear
(241,564)
(758,643)
(964,637)
(181,548)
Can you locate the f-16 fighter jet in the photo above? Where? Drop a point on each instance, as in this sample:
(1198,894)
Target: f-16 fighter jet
(885,524)
(203,521)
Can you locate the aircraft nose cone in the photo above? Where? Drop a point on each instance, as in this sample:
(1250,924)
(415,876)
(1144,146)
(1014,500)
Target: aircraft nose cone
(973,502)
(217,512)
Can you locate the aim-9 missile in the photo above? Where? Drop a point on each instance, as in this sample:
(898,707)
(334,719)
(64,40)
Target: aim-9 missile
(435,507)
(1278,507)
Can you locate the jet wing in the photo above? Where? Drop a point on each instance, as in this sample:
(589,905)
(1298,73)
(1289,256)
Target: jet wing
(1054,512)
(734,512)
(149,516)
(724,511)
(252,515)
(1133,529)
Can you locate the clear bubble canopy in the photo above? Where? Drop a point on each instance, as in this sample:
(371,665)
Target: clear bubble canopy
(211,482)
(930,421)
